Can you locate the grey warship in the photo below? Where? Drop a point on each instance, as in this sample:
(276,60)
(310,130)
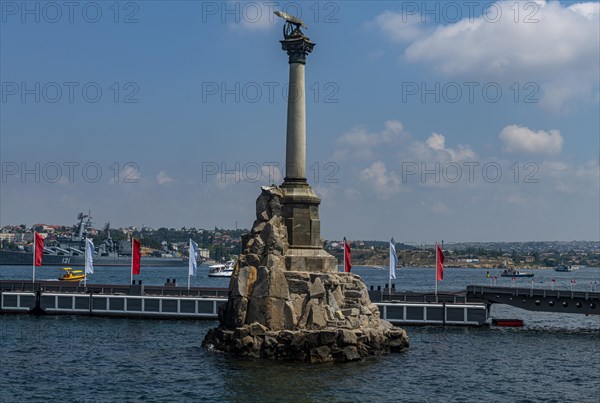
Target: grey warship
(69,251)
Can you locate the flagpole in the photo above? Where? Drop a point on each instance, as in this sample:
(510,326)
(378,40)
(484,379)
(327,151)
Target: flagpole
(85,257)
(390,273)
(190,251)
(34,248)
(390,284)
(435,271)
(132,251)
(344,254)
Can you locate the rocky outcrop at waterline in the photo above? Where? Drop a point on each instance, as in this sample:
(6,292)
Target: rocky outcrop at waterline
(276,313)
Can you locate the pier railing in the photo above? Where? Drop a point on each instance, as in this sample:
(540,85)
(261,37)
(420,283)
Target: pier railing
(536,299)
(383,295)
(112,289)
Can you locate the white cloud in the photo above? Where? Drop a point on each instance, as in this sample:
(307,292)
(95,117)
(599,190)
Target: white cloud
(248,174)
(440,208)
(270,174)
(359,143)
(322,191)
(436,141)
(518,199)
(129,174)
(558,48)
(588,10)
(253,16)
(522,139)
(582,179)
(162,178)
(384,183)
(400,27)
(434,150)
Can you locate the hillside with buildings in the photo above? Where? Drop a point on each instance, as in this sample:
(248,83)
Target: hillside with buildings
(221,244)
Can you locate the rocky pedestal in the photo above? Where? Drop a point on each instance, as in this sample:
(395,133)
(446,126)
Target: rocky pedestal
(279,307)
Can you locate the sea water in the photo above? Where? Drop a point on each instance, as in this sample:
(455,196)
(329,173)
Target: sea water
(554,357)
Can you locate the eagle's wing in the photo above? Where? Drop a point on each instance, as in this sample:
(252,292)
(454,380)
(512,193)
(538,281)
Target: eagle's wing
(290,18)
(281,14)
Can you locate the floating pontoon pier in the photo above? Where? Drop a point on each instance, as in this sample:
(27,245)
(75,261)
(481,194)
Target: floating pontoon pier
(172,302)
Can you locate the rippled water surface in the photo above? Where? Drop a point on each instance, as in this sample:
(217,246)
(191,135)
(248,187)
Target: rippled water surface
(555,357)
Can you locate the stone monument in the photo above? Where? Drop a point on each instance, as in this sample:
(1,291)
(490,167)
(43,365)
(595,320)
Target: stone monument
(287,299)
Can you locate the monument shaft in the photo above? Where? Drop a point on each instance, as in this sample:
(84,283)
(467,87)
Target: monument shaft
(295,155)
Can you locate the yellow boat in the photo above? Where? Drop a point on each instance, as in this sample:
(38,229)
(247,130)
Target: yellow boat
(72,275)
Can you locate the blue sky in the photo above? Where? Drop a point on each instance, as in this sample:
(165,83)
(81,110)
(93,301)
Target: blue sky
(426,120)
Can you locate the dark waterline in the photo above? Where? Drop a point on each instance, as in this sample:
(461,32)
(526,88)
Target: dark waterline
(553,358)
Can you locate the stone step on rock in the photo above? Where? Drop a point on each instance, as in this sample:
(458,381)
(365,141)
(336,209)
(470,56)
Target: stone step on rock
(354,294)
(351,311)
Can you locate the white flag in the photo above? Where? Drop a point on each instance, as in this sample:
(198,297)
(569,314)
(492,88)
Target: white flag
(193,255)
(393,260)
(89,256)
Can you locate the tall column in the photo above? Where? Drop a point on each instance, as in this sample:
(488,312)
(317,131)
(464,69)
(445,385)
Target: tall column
(297,47)
(300,204)
(295,151)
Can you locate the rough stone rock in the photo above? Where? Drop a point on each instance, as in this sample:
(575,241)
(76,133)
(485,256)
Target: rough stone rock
(316,289)
(289,316)
(304,311)
(236,315)
(320,354)
(365,311)
(250,259)
(331,301)
(275,206)
(375,311)
(353,294)
(347,337)
(257,227)
(299,303)
(270,341)
(270,283)
(243,284)
(297,281)
(286,336)
(351,312)
(268,311)
(398,340)
(351,353)
(298,341)
(317,316)
(257,246)
(338,295)
(305,345)
(262,208)
(248,342)
(297,286)
(327,337)
(273,262)
(273,236)
(257,329)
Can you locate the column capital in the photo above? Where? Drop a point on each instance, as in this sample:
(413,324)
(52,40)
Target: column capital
(297,47)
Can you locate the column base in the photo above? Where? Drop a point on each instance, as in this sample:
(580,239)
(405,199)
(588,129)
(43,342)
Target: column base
(314,260)
(294,182)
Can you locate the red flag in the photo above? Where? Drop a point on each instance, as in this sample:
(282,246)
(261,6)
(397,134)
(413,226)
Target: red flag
(136,256)
(347,261)
(38,245)
(439,263)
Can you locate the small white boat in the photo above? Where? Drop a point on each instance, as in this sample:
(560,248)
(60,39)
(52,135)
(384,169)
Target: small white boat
(221,270)
(515,273)
(564,268)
